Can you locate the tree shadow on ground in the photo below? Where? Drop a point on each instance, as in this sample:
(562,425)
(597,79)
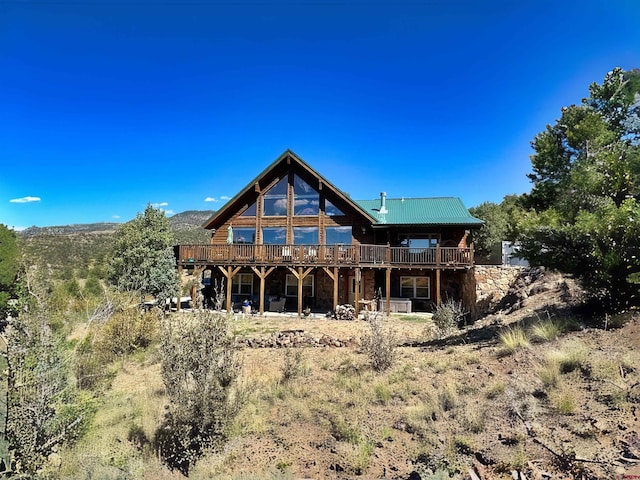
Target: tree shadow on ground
(485,333)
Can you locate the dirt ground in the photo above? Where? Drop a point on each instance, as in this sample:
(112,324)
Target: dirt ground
(463,406)
(447,406)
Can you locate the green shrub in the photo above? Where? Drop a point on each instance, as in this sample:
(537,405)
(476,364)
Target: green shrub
(200,370)
(128,330)
(92,287)
(379,344)
(447,317)
(294,365)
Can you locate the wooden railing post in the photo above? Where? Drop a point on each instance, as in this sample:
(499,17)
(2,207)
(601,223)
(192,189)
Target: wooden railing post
(438,253)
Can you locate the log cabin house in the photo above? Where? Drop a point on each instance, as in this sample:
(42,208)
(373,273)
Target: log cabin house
(292,240)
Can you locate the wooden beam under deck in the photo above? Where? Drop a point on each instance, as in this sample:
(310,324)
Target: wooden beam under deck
(263,273)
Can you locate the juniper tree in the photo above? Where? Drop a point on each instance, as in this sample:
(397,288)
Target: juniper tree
(142,258)
(583,213)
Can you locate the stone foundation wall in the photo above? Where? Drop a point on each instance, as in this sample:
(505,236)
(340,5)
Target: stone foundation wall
(492,284)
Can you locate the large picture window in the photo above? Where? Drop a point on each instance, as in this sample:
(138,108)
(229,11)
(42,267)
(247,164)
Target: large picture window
(244,235)
(275,199)
(305,235)
(306,200)
(292,286)
(274,235)
(415,287)
(242,284)
(338,235)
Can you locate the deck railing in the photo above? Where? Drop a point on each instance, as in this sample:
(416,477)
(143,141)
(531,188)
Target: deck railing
(323,255)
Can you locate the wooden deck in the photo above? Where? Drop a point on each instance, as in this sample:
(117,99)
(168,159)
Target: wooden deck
(324,256)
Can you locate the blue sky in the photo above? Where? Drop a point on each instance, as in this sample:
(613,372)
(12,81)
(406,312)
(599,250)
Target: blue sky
(108,105)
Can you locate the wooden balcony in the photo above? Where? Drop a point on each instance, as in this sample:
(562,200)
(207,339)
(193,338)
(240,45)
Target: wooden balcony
(324,255)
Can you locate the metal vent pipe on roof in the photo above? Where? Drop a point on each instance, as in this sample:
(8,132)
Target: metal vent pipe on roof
(383,202)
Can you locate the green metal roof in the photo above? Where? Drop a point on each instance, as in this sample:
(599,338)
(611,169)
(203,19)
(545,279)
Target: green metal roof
(421,211)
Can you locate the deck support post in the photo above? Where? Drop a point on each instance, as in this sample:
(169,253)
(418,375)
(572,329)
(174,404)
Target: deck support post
(333,276)
(356,293)
(438,295)
(388,292)
(263,273)
(336,279)
(229,273)
(300,274)
(178,299)
(193,292)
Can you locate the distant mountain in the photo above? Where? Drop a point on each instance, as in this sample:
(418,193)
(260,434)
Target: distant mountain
(68,248)
(69,229)
(188,220)
(187,226)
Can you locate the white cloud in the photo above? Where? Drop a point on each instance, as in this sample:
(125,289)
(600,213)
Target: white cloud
(115,217)
(161,204)
(214,199)
(25,200)
(169,212)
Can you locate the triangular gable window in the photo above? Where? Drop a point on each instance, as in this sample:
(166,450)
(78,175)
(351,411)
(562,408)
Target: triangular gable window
(331,210)
(250,212)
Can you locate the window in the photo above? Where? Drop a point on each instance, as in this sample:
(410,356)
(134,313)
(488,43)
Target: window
(244,235)
(292,286)
(306,200)
(331,210)
(242,284)
(417,244)
(305,235)
(275,199)
(274,235)
(415,287)
(250,211)
(338,235)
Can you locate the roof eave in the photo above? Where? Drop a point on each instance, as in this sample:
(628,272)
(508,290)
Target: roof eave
(223,210)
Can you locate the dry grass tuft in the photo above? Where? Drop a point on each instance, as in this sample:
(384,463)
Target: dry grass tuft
(513,339)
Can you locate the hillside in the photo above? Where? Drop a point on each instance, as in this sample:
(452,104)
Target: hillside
(81,246)
(559,407)
(88,228)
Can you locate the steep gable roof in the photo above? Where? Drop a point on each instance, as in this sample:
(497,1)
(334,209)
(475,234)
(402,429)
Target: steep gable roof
(421,211)
(288,158)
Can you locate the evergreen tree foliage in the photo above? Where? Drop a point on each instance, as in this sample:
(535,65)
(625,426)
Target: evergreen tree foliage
(43,409)
(500,222)
(9,265)
(142,258)
(583,213)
